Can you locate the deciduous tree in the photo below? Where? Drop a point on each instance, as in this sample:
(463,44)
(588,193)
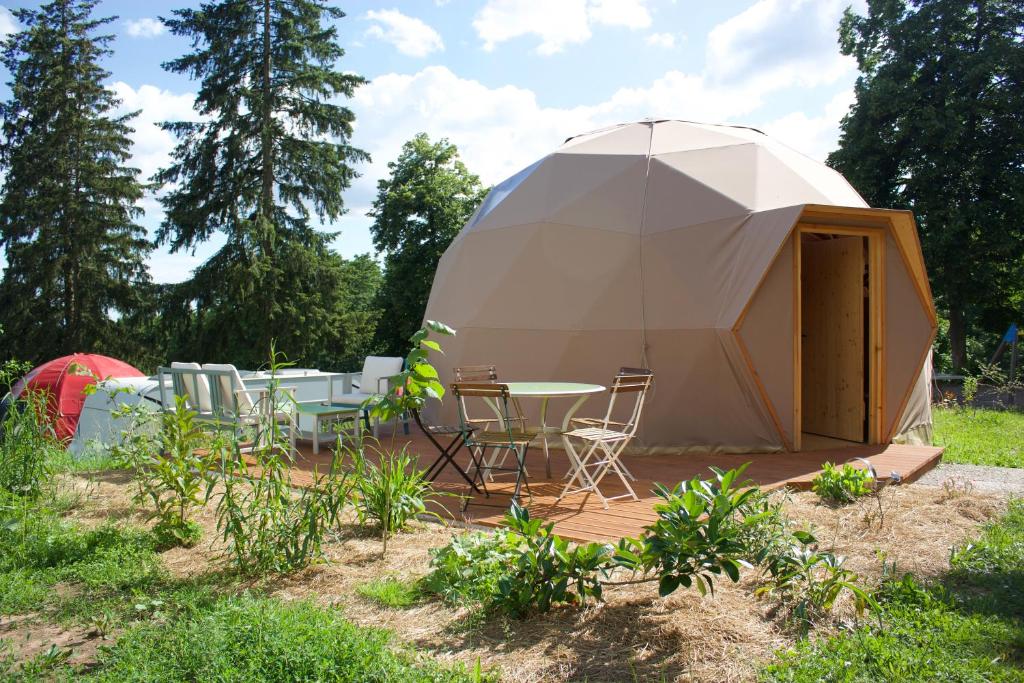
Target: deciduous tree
(420,207)
(938,128)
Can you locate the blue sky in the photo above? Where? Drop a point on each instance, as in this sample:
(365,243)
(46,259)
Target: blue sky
(509,80)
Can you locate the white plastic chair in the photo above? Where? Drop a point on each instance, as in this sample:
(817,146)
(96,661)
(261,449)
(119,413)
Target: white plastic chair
(193,386)
(372,381)
(231,400)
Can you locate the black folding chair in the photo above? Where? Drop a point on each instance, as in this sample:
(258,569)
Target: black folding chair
(446,454)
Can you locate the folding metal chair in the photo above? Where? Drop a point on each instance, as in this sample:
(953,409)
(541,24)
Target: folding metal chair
(446,454)
(479,374)
(605,440)
(500,441)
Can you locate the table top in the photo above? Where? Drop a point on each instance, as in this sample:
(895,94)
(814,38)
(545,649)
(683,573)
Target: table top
(551,389)
(325,408)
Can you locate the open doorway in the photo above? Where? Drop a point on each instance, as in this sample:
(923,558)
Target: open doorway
(835,327)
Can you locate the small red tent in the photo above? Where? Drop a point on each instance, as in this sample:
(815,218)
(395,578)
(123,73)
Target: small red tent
(65,379)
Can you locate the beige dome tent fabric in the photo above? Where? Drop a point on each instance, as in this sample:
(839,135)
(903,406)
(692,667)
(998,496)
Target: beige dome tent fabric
(678,246)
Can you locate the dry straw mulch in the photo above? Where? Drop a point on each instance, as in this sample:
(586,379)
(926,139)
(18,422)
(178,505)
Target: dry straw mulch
(633,635)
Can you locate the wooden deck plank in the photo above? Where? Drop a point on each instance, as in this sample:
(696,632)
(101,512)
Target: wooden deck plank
(581,517)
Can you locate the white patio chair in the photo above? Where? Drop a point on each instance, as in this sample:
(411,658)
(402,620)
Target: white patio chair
(604,442)
(232,402)
(372,381)
(190,382)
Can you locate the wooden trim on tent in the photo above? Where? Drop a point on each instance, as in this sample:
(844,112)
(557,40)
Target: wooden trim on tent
(798,398)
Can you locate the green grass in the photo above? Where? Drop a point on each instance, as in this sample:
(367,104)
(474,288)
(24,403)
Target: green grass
(248,638)
(390,592)
(979,436)
(969,627)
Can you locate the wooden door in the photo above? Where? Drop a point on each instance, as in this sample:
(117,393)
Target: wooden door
(832,339)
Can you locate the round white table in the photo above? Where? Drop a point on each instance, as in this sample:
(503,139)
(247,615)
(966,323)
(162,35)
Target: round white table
(546,391)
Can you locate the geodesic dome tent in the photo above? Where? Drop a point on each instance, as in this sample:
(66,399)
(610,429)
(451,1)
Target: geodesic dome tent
(766,296)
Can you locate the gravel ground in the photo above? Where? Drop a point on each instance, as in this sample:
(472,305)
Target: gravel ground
(982,477)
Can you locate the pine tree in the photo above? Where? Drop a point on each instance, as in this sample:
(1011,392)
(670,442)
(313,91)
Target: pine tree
(938,128)
(75,256)
(420,208)
(272,149)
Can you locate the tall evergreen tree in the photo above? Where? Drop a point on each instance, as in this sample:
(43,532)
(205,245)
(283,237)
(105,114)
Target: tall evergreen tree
(420,207)
(75,256)
(272,149)
(938,128)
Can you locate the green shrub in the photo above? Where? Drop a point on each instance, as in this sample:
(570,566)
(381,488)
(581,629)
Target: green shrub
(697,536)
(252,639)
(547,569)
(269,524)
(468,569)
(173,469)
(28,446)
(391,492)
(807,581)
(842,485)
(390,592)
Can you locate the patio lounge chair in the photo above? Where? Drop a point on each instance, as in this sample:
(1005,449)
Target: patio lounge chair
(190,382)
(372,381)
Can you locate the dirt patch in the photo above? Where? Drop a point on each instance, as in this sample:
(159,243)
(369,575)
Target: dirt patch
(29,637)
(634,635)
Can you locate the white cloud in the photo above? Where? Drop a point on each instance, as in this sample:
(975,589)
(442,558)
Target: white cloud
(557,24)
(145,27)
(152,145)
(790,42)
(629,13)
(410,35)
(8,24)
(666,40)
(815,136)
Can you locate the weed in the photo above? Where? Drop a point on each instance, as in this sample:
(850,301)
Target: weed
(390,591)
(842,484)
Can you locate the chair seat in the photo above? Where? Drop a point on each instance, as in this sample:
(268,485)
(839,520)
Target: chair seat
(501,438)
(595,422)
(353,399)
(443,429)
(597,434)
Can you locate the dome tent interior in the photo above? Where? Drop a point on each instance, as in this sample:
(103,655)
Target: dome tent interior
(771,302)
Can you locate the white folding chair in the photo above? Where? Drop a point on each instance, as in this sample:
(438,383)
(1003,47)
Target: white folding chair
(604,441)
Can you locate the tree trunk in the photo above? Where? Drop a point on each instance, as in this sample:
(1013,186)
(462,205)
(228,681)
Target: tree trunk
(957,337)
(266,208)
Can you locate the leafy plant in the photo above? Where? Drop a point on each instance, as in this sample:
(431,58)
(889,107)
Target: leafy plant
(172,471)
(546,570)
(807,581)
(28,446)
(842,484)
(268,523)
(697,536)
(410,389)
(390,492)
(469,568)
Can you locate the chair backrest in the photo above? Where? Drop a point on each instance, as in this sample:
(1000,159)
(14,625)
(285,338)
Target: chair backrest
(497,394)
(635,371)
(375,370)
(227,392)
(188,380)
(623,386)
(476,373)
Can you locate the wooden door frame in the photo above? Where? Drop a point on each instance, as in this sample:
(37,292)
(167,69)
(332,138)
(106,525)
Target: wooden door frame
(876,238)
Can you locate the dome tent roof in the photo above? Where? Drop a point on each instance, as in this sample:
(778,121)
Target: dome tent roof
(645,244)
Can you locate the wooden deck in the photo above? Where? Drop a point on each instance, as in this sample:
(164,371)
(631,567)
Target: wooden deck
(582,518)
